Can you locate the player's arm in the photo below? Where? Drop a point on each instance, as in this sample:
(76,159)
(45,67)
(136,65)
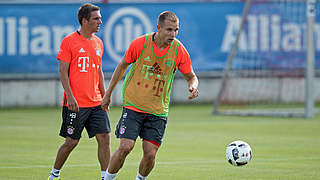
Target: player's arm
(193,83)
(101,83)
(116,77)
(186,69)
(64,77)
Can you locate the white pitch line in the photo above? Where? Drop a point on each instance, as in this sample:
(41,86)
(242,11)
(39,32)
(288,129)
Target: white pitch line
(165,163)
(126,163)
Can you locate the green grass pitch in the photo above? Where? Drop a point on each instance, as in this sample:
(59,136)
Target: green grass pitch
(193,147)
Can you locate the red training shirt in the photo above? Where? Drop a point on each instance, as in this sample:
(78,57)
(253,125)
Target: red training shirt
(183,58)
(85,58)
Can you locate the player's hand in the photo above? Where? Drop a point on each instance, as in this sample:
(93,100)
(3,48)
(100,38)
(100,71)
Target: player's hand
(194,92)
(105,103)
(72,104)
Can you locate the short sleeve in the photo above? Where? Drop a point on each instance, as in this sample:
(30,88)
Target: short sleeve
(135,49)
(64,53)
(102,47)
(183,60)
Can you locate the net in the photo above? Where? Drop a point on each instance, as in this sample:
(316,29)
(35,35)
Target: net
(266,73)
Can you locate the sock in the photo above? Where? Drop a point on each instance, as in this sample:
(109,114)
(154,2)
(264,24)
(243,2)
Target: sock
(55,173)
(110,176)
(103,175)
(140,177)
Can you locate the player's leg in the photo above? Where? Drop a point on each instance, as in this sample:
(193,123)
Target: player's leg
(64,152)
(148,160)
(103,140)
(98,125)
(118,158)
(71,128)
(128,129)
(62,155)
(152,133)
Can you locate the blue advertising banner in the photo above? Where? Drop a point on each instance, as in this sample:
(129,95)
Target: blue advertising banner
(30,34)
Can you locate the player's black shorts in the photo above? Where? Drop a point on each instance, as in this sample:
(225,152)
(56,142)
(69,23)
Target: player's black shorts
(94,119)
(148,126)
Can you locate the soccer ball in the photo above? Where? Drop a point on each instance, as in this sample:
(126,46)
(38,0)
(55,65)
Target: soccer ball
(238,153)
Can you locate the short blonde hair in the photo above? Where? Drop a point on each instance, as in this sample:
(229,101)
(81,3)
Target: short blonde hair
(167,15)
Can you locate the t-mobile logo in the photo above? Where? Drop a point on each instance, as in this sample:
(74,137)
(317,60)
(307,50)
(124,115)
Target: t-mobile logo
(158,88)
(83,64)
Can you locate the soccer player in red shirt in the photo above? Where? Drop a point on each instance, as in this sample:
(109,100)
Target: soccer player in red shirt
(154,59)
(80,60)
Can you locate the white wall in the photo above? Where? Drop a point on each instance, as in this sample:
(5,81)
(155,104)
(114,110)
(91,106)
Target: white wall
(49,92)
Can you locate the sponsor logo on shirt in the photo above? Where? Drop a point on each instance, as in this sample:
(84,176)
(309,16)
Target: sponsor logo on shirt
(83,64)
(81,50)
(147,59)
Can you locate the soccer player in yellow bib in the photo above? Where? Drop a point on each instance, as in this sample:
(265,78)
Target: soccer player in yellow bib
(154,58)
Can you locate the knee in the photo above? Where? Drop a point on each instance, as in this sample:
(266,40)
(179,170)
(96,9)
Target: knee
(71,143)
(125,149)
(149,155)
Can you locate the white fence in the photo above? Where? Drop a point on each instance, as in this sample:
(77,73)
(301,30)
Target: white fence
(17,92)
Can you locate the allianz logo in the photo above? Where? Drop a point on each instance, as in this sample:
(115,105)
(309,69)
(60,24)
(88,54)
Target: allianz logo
(19,37)
(268,33)
(121,28)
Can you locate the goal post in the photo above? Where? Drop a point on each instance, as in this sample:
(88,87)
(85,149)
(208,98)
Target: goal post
(231,55)
(309,95)
(274,75)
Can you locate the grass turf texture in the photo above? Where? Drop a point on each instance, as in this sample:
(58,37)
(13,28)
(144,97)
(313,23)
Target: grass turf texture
(193,147)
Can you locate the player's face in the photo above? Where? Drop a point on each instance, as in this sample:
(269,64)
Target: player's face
(168,31)
(94,21)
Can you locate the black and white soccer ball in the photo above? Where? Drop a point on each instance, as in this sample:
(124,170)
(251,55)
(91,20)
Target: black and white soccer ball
(238,153)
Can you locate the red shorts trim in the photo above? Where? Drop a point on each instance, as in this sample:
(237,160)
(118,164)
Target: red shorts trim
(153,142)
(135,109)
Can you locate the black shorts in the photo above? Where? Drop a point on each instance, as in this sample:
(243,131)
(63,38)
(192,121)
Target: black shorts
(94,119)
(148,126)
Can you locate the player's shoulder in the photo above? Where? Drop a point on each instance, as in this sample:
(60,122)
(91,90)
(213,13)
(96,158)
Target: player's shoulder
(139,40)
(181,46)
(71,36)
(97,38)
(177,40)
(179,43)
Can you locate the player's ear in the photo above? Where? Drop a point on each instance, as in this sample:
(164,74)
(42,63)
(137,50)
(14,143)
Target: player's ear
(84,21)
(158,27)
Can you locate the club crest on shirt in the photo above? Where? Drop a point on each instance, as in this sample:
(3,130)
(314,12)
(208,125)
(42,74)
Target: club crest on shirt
(168,63)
